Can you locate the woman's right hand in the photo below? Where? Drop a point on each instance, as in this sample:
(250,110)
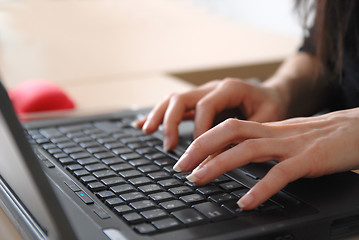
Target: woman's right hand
(258,103)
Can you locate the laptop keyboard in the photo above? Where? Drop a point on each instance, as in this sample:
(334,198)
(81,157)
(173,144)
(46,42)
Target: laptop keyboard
(131,174)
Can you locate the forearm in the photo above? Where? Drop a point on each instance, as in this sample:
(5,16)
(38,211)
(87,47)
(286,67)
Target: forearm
(302,92)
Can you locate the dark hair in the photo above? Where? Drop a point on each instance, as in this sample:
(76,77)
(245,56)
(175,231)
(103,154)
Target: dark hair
(332,21)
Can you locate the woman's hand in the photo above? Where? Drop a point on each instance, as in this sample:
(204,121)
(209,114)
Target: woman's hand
(258,103)
(303,147)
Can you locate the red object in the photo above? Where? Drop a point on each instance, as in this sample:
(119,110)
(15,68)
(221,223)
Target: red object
(38,96)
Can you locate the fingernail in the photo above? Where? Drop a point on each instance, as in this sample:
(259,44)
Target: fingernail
(166,144)
(197,174)
(176,168)
(134,124)
(145,126)
(246,200)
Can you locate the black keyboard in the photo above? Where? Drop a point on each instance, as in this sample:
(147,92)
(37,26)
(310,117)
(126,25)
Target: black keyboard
(129,171)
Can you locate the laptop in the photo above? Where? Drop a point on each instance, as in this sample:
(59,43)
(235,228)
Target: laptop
(96,177)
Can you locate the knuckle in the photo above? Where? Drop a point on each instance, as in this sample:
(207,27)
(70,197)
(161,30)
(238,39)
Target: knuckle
(196,145)
(177,98)
(231,124)
(229,82)
(203,103)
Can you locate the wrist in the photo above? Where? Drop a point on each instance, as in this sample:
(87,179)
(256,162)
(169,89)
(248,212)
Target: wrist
(281,93)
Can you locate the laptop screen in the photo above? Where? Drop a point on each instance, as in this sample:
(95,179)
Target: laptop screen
(21,171)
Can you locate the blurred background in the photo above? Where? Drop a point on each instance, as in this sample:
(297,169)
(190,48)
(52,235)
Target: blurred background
(124,47)
(64,40)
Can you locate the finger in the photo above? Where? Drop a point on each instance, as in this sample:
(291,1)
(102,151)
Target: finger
(223,135)
(276,179)
(181,106)
(139,123)
(252,150)
(155,117)
(227,95)
(263,114)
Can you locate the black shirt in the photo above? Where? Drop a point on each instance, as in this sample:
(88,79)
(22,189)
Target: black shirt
(344,91)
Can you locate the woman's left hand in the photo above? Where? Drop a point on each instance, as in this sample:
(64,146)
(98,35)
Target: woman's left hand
(303,147)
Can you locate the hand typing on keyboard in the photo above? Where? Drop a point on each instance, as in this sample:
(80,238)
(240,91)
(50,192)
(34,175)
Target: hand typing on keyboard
(303,147)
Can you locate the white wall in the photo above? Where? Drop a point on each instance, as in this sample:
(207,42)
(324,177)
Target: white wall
(273,15)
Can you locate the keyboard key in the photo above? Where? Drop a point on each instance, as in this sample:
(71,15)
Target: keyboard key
(209,190)
(133,218)
(104,174)
(72,150)
(151,188)
(59,140)
(139,181)
(96,149)
(130,174)
(168,183)
(230,186)
(111,161)
(104,155)
(87,161)
(122,209)
(82,139)
(180,191)
(113,202)
(144,228)
(73,167)
(181,176)
(87,179)
(121,150)
(173,205)
(113,181)
(165,162)
(158,175)
(66,144)
(161,196)
(154,214)
(95,167)
(139,162)
(221,198)
(189,216)
(166,224)
(145,150)
(80,155)
(66,161)
(105,194)
(81,173)
(233,207)
(154,156)
(133,196)
(192,199)
(114,145)
(239,193)
(143,205)
(96,186)
(130,156)
(123,188)
(89,144)
(54,150)
(121,167)
(59,155)
(212,211)
(149,168)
